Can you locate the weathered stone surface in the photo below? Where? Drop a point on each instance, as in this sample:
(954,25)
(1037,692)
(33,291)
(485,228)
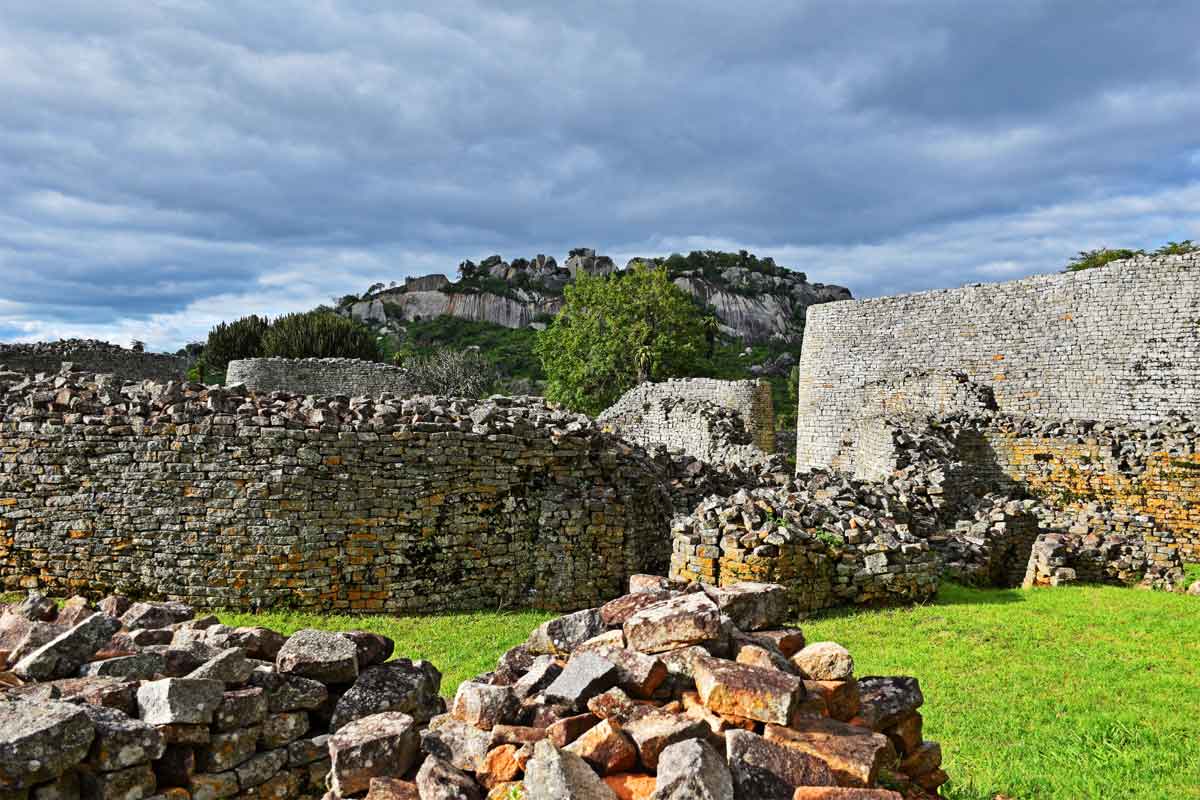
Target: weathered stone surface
(499,766)
(139,666)
(39,741)
(121,742)
(402,685)
(885,701)
(517,734)
(764,770)
(288,692)
(260,768)
(441,780)
(631,785)
(744,691)
(183,657)
(788,641)
(671,624)
(109,692)
(616,613)
(461,744)
(905,734)
(36,607)
(613,638)
(825,661)
(74,611)
(554,773)
(561,635)
(606,748)
(392,789)
(484,706)
(841,697)
(752,606)
(924,758)
(306,751)
(228,666)
(173,701)
(205,786)
(382,745)
(648,583)
(692,770)
(131,783)
(567,730)
(319,655)
(584,677)
(261,644)
(190,735)
(540,674)
(156,615)
(175,766)
(638,674)
(512,665)
(65,787)
(62,656)
(613,703)
(20,636)
(114,605)
(761,655)
(225,751)
(278,730)
(372,648)
(854,755)
(655,731)
(240,708)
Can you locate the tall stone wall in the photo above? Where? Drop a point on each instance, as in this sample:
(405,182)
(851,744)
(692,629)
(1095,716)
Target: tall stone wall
(678,413)
(1117,343)
(93,356)
(222,499)
(318,376)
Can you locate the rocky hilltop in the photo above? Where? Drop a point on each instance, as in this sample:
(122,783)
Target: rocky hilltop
(754,299)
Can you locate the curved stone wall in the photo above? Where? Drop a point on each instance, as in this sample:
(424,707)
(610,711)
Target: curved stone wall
(1117,343)
(89,355)
(318,376)
(685,413)
(226,500)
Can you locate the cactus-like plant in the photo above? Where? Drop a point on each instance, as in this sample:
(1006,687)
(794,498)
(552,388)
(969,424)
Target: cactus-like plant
(320,334)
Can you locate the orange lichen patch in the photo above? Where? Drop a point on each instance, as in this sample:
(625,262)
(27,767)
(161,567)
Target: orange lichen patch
(8,501)
(79,534)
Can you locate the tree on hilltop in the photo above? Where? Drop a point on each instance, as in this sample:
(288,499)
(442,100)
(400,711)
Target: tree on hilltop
(616,331)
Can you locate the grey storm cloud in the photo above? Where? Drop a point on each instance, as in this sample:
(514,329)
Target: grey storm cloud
(165,164)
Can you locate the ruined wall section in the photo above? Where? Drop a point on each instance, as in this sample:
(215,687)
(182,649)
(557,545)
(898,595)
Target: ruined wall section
(93,356)
(685,413)
(319,376)
(1117,343)
(224,499)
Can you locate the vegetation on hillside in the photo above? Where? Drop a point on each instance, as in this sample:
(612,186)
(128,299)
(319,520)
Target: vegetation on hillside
(1055,694)
(313,334)
(617,331)
(1090,259)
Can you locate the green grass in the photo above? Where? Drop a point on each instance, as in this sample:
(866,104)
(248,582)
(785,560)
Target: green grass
(1073,692)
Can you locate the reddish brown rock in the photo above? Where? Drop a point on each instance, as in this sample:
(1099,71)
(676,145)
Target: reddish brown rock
(840,793)
(840,697)
(499,766)
(762,694)
(606,748)
(906,734)
(631,785)
(392,789)
(671,624)
(854,755)
(925,758)
(655,731)
(567,730)
(767,770)
(615,613)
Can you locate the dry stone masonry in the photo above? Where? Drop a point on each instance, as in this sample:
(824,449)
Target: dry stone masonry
(321,377)
(670,692)
(694,415)
(92,356)
(227,498)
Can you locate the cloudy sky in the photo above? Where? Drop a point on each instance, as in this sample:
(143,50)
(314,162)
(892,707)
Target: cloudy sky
(165,164)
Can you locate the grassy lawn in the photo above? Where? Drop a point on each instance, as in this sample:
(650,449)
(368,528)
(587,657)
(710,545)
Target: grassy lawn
(1080,692)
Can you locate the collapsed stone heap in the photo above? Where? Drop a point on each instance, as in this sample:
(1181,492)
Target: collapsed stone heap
(140,700)
(669,692)
(827,537)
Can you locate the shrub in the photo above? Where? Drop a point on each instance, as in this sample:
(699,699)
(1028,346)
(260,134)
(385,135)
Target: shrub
(320,334)
(1090,259)
(450,373)
(230,341)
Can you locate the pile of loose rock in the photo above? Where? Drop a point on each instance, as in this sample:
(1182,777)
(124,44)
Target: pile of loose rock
(669,692)
(144,700)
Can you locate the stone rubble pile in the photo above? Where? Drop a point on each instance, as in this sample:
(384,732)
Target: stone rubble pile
(669,692)
(144,700)
(829,539)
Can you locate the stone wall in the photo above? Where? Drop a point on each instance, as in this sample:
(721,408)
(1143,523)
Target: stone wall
(1117,343)
(318,376)
(680,413)
(222,499)
(93,356)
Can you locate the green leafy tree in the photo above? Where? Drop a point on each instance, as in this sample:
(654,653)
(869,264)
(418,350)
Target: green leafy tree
(617,331)
(229,341)
(1177,248)
(1090,259)
(320,334)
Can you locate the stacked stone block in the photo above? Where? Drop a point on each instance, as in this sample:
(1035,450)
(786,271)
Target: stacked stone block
(210,712)
(93,356)
(224,498)
(686,413)
(323,377)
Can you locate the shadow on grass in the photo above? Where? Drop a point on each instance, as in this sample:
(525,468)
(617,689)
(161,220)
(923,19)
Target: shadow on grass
(953,594)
